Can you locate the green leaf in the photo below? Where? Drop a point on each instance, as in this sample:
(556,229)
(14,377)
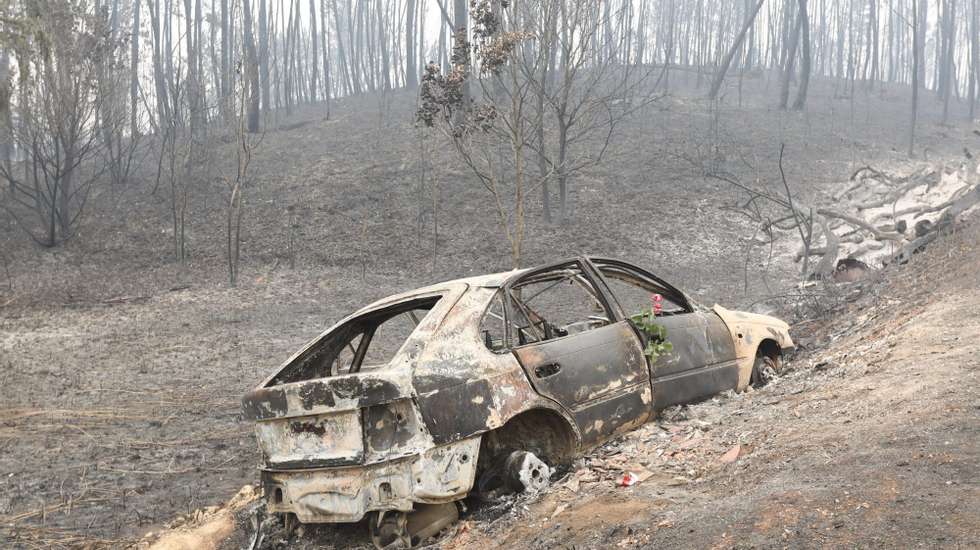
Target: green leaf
(657,343)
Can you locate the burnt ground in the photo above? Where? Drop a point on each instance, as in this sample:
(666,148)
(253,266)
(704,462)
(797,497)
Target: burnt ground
(869,439)
(120,372)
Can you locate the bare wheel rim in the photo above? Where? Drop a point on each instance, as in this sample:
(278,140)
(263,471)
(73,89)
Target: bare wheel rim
(765,369)
(391,530)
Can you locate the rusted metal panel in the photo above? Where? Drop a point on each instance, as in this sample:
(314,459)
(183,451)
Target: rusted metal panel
(476,407)
(692,385)
(702,362)
(748,331)
(445,473)
(700,339)
(585,367)
(493,385)
(615,413)
(340,393)
(310,441)
(414,426)
(600,376)
(458,411)
(394,430)
(441,474)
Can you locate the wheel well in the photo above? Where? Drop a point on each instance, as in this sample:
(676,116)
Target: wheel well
(768,348)
(543,432)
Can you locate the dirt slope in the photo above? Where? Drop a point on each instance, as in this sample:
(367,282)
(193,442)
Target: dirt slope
(871,439)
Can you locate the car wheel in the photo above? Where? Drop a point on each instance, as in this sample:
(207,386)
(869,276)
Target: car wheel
(765,369)
(289,524)
(515,472)
(402,530)
(526,472)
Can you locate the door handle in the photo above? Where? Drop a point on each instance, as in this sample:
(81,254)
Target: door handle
(544,371)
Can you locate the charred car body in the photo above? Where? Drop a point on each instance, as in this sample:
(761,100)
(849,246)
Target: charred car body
(410,403)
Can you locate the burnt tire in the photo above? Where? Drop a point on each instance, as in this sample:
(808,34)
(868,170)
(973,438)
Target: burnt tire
(765,369)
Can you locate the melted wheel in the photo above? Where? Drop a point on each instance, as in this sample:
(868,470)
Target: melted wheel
(390,530)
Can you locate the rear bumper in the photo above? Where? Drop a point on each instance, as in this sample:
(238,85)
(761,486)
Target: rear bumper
(342,495)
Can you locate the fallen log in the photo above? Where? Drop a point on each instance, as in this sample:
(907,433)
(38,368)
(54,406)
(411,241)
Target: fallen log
(927,233)
(912,248)
(894,195)
(825,267)
(964,203)
(858,222)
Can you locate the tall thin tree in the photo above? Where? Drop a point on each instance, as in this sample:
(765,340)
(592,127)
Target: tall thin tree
(805,59)
(726,62)
(917,69)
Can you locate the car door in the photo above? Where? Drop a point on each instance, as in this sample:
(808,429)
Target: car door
(702,362)
(577,351)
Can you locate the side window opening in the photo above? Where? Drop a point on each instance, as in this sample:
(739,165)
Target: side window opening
(544,306)
(493,326)
(528,327)
(633,292)
(366,342)
(387,337)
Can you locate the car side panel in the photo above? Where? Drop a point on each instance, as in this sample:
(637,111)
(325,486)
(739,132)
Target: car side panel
(462,388)
(616,414)
(457,412)
(701,364)
(600,376)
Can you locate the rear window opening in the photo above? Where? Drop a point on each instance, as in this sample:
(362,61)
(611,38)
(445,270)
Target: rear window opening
(366,342)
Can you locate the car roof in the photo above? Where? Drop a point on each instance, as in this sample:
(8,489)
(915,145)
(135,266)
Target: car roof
(491,280)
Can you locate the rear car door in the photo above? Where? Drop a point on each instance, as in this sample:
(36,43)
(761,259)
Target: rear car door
(702,362)
(577,350)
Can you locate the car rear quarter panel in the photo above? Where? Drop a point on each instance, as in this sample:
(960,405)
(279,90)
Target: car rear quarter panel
(463,388)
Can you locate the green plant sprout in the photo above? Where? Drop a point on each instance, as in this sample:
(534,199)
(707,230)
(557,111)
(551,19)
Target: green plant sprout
(646,321)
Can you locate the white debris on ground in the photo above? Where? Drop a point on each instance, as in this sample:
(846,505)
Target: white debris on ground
(908,199)
(202,529)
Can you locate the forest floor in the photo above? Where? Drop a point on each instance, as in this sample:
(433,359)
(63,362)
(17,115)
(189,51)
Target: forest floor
(870,439)
(121,372)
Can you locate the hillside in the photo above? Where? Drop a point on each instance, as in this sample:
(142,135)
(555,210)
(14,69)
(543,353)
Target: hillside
(870,440)
(122,371)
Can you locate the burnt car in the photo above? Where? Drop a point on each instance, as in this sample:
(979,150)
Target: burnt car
(406,406)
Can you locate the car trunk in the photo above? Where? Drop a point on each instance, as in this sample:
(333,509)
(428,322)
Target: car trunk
(320,422)
(312,412)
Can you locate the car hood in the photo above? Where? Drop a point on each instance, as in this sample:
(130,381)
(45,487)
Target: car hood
(744,317)
(752,328)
